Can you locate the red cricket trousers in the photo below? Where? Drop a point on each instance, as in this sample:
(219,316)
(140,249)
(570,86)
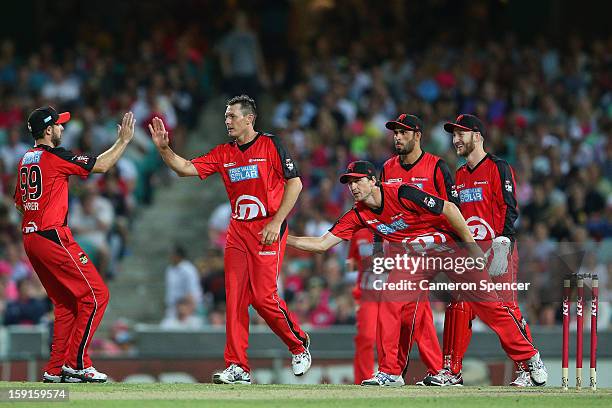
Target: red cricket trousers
(457,327)
(251,274)
(365,340)
(425,336)
(77,291)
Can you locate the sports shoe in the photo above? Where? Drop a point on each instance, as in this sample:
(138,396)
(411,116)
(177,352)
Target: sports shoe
(300,363)
(234,374)
(89,374)
(381,379)
(537,370)
(59,378)
(523,379)
(444,378)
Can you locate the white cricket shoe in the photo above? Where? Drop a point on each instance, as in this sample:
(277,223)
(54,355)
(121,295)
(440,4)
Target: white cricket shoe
(300,363)
(523,380)
(89,374)
(234,374)
(444,378)
(52,378)
(537,370)
(381,379)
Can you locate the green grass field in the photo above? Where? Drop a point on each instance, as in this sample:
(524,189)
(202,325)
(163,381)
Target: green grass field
(200,395)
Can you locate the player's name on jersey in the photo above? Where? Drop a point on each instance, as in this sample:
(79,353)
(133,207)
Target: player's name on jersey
(31,206)
(424,284)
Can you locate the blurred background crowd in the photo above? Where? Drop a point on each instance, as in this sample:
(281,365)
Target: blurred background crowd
(326,78)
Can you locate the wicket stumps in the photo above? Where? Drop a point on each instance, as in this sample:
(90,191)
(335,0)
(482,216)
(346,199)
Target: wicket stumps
(567,291)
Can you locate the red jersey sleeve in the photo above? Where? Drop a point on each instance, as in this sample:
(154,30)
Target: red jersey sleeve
(419,201)
(72,163)
(207,164)
(445,183)
(347,225)
(285,164)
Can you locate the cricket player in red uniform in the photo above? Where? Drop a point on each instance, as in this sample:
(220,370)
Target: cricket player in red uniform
(406,215)
(77,291)
(431,174)
(486,189)
(262,183)
(360,249)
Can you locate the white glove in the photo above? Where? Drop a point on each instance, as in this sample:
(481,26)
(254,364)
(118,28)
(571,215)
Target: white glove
(500,248)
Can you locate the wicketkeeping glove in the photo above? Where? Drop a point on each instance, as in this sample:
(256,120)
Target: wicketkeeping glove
(500,248)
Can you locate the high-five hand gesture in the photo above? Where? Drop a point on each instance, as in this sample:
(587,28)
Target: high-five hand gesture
(159,133)
(125,131)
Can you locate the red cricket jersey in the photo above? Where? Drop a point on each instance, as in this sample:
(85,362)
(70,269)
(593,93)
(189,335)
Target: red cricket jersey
(42,185)
(429,173)
(407,215)
(254,174)
(487,196)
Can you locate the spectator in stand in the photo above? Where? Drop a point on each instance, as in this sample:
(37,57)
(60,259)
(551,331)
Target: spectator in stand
(91,220)
(184,317)
(26,309)
(182,282)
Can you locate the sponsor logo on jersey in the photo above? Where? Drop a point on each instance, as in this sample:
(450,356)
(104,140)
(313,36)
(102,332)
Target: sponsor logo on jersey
(508,186)
(480,182)
(430,202)
(267,253)
(470,195)
(419,179)
(32,157)
(248,207)
(289,164)
(374,221)
(243,173)
(83,258)
(479,228)
(81,159)
(229,164)
(395,180)
(256,160)
(30,227)
(395,226)
(454,192)
(459,186)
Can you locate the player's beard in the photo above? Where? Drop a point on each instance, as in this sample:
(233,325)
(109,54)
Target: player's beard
(56,139)
(407,149)
(468,147)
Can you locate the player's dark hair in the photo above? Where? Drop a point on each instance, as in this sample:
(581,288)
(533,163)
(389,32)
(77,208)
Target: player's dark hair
(180,251)
(247,104)
(38,134)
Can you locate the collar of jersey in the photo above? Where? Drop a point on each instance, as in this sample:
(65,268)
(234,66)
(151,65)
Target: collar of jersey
(467,166)
(409,167)
(245,146)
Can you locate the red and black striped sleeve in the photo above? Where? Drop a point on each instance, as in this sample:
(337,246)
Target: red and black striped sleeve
(288,166)
(347,225)
(419,201)
(71,163)
(504,194)
(445,182)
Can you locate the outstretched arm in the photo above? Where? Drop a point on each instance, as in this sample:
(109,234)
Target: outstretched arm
(314,244)
(125,133)
(178,164)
